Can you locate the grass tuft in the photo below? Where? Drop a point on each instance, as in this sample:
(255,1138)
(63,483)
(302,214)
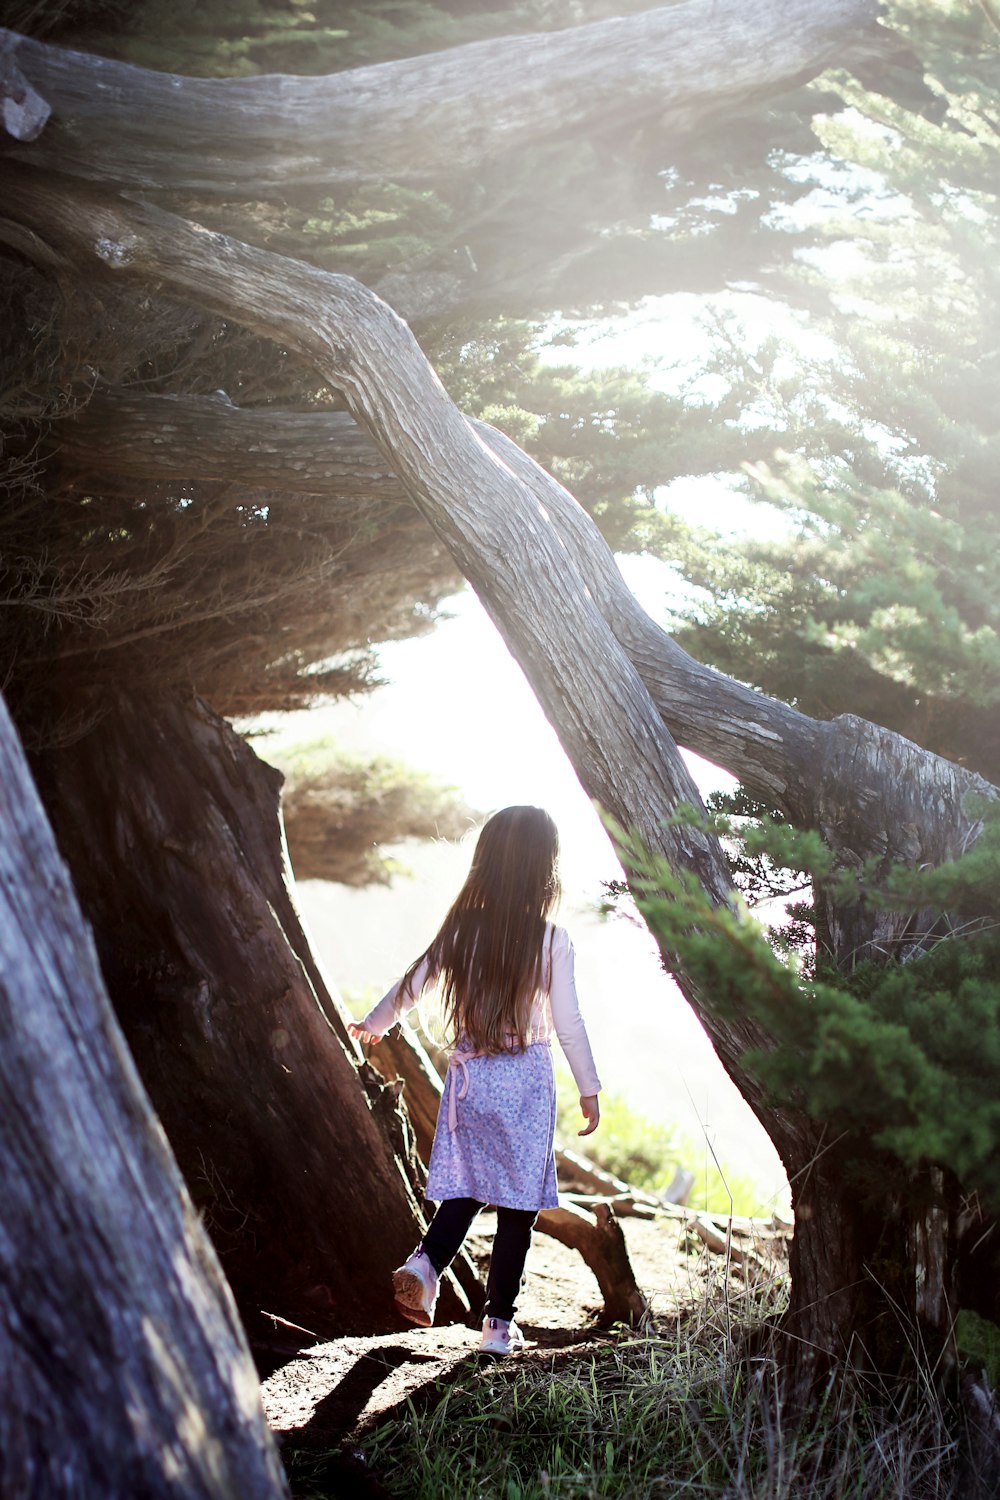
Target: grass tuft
(679,1414)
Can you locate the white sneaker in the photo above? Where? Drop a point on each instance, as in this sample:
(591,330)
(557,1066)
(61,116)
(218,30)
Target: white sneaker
(501,1338)
(415,1286)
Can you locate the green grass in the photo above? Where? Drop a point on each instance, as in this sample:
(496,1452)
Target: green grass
(667,1416)
(645,1153)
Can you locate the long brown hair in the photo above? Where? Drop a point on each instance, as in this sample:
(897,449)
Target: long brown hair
(487,955)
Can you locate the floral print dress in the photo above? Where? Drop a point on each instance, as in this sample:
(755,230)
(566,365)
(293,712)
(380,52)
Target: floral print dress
(496,1124)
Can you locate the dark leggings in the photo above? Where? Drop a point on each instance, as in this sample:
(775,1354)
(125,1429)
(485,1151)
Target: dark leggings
(448,1229)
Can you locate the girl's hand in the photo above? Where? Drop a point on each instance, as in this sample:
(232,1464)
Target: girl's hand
(361,1035)
(592,1112)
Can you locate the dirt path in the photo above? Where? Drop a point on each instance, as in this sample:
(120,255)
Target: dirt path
(329,1396)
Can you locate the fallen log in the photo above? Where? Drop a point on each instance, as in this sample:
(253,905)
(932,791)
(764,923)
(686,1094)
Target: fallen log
(622,1205)
(679,1188)
(580,1171)
(721,1237)
(598,1237)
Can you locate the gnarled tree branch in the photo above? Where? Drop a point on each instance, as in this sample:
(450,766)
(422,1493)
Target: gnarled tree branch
(404,120)
(825,774)
(500,536)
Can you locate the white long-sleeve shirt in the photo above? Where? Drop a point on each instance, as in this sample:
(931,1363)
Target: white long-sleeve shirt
(555,1009)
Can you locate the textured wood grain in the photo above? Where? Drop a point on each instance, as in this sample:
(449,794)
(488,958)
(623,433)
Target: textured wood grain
(123,1369)
(173,828)
(869,790)
(771,747)
(673,67)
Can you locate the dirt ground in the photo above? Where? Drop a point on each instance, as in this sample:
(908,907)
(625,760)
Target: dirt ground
(329,1396)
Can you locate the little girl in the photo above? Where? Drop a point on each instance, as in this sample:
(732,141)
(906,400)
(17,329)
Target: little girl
(506,979)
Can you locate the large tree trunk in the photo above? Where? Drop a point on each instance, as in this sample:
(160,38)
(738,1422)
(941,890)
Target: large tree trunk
(291,1148)
(410,119)
(532,559)
(123,1370)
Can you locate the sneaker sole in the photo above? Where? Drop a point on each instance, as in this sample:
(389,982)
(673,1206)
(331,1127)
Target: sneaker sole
(501,1351)
(409,1295)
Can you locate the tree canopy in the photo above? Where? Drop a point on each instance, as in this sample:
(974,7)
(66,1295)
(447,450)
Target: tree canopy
(881,597)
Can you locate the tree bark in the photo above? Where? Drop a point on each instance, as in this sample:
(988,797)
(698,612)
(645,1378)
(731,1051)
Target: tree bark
(124,436)
(407,120)
(400,1054)
(545,585)
(123,1368)
(172,828)
(771,747)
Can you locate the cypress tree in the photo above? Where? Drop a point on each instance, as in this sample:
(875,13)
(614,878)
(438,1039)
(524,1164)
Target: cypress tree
(882,597)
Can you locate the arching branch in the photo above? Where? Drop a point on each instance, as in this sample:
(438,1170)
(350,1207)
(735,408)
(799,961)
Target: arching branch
(405,120)
(494,527)
(819,774)
(769,745)
(501,538)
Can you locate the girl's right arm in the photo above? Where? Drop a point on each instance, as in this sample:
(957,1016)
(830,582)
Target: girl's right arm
(389,1009)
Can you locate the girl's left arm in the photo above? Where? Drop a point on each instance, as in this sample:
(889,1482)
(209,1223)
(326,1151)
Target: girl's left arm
(567,1019)
(389,1009)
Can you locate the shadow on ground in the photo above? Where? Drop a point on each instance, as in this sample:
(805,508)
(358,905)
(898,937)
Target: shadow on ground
(322,1400)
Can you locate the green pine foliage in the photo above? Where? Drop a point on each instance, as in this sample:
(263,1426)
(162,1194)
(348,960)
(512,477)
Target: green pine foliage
(608,435)
(214,39)
(882,597)
(903,1056)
